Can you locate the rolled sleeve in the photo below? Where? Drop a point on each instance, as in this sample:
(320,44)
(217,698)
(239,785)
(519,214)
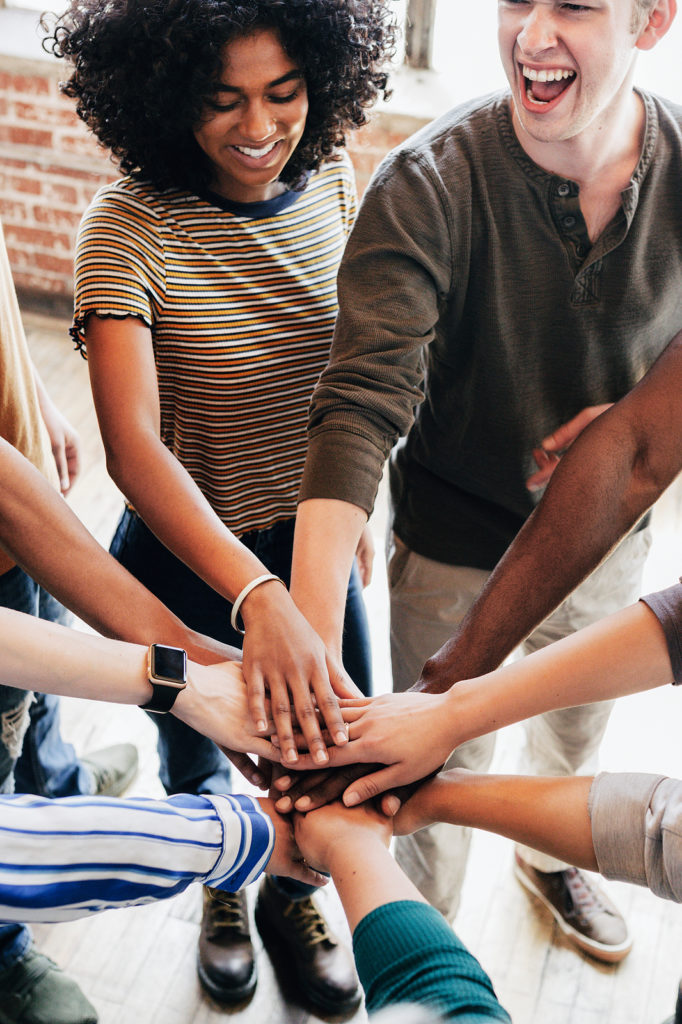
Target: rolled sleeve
(667,607)
(637,830)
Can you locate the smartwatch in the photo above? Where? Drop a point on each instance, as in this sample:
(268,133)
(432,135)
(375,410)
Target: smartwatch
(167,672)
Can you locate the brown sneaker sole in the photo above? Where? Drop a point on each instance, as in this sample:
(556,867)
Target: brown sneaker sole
(606,954)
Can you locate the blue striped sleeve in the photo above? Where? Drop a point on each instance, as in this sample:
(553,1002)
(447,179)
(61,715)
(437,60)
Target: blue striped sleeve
(71,857)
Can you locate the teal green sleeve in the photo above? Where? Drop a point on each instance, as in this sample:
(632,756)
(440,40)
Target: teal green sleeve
(406,953)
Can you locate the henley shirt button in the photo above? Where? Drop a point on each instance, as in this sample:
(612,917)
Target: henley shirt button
(564,190)
(569,222)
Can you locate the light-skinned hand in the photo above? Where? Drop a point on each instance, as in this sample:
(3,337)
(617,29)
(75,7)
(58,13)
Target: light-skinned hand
(323,833)
(287,859)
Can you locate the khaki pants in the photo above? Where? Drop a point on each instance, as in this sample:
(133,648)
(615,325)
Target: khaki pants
(428,601)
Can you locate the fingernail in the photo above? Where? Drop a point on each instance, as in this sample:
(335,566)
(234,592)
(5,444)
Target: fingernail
(320,757)
(258,780)
(291,755)
(284,804)
(303,803)
(392,805)
(351,800)
(283,782)
(261,725)
(341,738)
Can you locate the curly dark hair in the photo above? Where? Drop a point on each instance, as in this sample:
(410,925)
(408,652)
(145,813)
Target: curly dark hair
(144,71)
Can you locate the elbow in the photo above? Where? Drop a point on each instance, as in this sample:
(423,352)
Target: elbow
(114,464)
(652,473)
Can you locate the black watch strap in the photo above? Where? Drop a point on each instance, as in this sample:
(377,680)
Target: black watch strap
(163,698)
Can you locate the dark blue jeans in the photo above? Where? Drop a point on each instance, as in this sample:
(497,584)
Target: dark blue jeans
(190,763)
(44,764)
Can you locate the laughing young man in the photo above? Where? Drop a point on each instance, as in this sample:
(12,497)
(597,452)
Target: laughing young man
(514,264)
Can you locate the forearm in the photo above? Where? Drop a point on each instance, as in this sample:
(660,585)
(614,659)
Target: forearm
(167,498)
(49,542)
(622,654)
(126,394)
(81,855)
(577,523)
(366,876)
(327,535)
(548,814)
(44,656)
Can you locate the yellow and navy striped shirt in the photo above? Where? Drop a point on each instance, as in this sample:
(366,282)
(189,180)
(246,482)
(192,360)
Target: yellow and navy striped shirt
(241,303)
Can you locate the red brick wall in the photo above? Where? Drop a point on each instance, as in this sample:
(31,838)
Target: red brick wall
(49,170)
(50,167)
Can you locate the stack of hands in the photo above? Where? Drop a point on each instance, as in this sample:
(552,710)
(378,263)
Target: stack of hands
(371,753)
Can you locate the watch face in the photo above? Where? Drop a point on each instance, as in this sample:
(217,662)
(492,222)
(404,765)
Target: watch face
(169,663)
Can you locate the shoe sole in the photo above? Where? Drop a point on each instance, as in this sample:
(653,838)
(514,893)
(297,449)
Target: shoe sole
(607,954)
(229,995)
(314,1000)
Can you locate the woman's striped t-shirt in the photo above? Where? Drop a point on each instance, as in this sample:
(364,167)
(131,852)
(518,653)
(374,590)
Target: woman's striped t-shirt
(241,303)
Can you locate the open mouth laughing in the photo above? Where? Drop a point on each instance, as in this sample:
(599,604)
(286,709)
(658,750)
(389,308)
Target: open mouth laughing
(545,85)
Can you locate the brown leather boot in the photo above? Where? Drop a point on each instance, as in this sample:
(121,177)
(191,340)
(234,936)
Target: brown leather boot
(227,966)
(323,968)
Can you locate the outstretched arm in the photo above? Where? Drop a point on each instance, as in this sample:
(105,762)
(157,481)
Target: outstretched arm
(43,535)
(549,814)
(327,534)
(404,949)
(625,825)
(283,656)
(604,483)
(41,655)
(413,734)
(74,856)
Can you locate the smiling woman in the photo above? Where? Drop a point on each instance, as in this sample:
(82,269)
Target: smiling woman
(206,298)
(255,120)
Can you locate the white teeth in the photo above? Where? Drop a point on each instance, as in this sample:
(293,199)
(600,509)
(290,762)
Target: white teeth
(256,153)
(546,75)
(531,98)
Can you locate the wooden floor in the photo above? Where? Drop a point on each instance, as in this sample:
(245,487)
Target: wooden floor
(138,966)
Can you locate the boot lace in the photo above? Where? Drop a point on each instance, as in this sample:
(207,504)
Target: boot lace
(226,911)
(308,922)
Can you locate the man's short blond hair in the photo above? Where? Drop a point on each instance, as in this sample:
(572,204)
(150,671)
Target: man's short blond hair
(641,9)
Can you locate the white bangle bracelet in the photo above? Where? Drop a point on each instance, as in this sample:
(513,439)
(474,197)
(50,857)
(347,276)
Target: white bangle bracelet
(239,600)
